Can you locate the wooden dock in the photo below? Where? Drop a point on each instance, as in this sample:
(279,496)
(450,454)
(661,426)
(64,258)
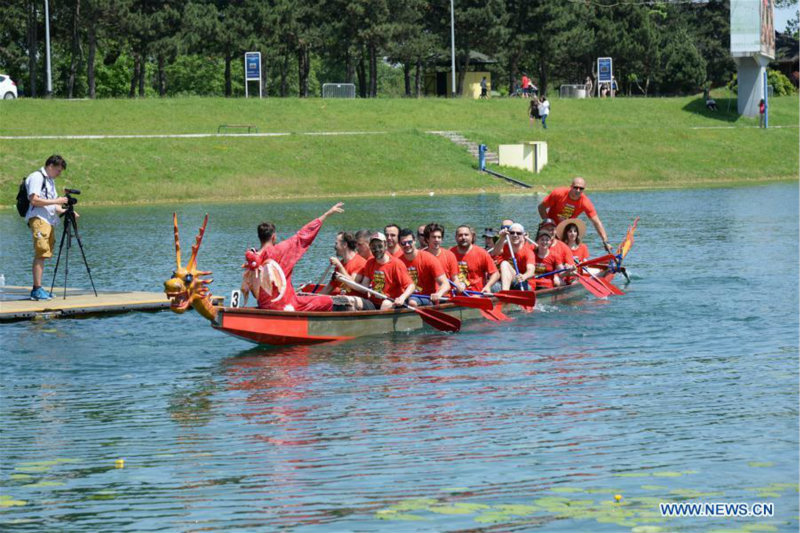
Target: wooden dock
(15,303)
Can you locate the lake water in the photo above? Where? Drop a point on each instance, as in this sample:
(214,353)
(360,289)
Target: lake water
(683,390)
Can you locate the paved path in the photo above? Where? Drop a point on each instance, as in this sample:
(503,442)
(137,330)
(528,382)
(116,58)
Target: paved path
(184,135)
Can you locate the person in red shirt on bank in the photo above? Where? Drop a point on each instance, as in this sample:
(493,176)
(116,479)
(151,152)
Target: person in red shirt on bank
(347,262)
(569,202)
(434,235)
(475,264)
(514,277)
(385,274)
(546,261)
(425,270)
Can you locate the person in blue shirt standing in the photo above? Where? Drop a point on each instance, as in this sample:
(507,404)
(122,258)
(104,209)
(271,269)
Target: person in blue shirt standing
(42,217)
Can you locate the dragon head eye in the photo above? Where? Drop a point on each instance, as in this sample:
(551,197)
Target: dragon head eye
(188,278)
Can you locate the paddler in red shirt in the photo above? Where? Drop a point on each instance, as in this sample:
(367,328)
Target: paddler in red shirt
(425,270)
(569,202)
(392,232)
(475,264)
(434,235)
(546,261)
(511,276)
(270,268)
(347,262)
(385,274)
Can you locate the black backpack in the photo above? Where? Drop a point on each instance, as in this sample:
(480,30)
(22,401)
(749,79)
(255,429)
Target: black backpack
(23,202)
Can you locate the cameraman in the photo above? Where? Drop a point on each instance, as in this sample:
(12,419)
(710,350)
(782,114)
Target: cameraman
(42,217)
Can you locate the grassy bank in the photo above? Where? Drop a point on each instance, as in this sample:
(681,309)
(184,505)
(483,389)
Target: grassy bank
(621,143)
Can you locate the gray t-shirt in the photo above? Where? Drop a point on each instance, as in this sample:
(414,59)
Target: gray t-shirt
(43,186)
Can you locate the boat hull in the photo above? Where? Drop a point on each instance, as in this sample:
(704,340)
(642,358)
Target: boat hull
(283,328)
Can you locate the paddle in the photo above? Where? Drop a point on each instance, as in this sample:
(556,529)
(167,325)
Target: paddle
(523,298)
(463,301)
(320,283)
(607,284)
(487,312)
(435,319)
(596,289)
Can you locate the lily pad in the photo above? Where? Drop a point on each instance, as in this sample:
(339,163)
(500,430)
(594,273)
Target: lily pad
(384,515)
(566,489)
(632,474)
(667,474)
(414,505)
(757,464)
(8,501)
(449,509)
(647,529)
(44,484)
(20,477)
(654,487)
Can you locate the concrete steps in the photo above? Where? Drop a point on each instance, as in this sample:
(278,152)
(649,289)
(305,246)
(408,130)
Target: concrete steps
(472,147)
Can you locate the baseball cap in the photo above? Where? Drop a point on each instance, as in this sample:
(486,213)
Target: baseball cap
(547,222)
(489,232)
(377,236)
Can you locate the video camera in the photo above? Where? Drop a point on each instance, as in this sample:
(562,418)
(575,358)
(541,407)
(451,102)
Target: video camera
(70,200)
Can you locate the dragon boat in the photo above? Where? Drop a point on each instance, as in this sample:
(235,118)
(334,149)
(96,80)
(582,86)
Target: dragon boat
(188,289)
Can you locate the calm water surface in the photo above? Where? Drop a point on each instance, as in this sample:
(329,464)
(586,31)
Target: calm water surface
(684,390)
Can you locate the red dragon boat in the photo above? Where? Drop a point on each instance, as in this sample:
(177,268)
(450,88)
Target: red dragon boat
(188,288)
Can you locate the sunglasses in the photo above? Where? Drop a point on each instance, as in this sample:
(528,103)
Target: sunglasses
(515,233)
(504,227)
(421,235)
(406,243)
(578,188)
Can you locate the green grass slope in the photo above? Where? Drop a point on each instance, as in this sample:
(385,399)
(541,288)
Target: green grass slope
(620,143)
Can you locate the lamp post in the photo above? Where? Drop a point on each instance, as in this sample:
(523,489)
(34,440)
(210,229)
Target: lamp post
(47,47)
(453,47)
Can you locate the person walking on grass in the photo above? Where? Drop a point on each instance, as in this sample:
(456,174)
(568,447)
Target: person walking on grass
(544,111)
(762,114)
(533,111)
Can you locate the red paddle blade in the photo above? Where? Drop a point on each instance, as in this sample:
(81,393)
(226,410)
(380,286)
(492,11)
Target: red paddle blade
(468,301)
(610,286)
(491,315)
(523,298)
(438,320)
(597,289)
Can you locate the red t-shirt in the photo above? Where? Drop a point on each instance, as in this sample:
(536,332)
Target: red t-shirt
(390,278)
(397,253)
(424,270)
(546,264)
(352,267)
(560,206)
(562,251)
(448,261)
(524,257)
(581,253)
(474,267)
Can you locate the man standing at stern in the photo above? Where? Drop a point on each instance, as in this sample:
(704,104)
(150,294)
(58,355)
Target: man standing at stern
(569,202)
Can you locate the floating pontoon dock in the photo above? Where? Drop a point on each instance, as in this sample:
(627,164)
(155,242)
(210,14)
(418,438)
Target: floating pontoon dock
(15,303)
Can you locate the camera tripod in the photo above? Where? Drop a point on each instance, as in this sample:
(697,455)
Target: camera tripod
(70,229)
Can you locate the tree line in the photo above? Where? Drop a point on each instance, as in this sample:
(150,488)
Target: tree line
(117,48)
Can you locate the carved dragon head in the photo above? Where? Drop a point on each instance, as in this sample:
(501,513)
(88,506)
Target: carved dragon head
(187,288)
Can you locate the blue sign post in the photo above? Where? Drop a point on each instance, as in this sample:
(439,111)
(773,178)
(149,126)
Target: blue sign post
(605,73)
(252,71)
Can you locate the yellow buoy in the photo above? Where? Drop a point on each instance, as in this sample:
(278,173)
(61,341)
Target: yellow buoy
(120,463)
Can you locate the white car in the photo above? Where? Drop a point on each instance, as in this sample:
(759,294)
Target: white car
(8,89)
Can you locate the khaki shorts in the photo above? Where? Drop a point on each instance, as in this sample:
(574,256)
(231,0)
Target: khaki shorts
(43,237)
